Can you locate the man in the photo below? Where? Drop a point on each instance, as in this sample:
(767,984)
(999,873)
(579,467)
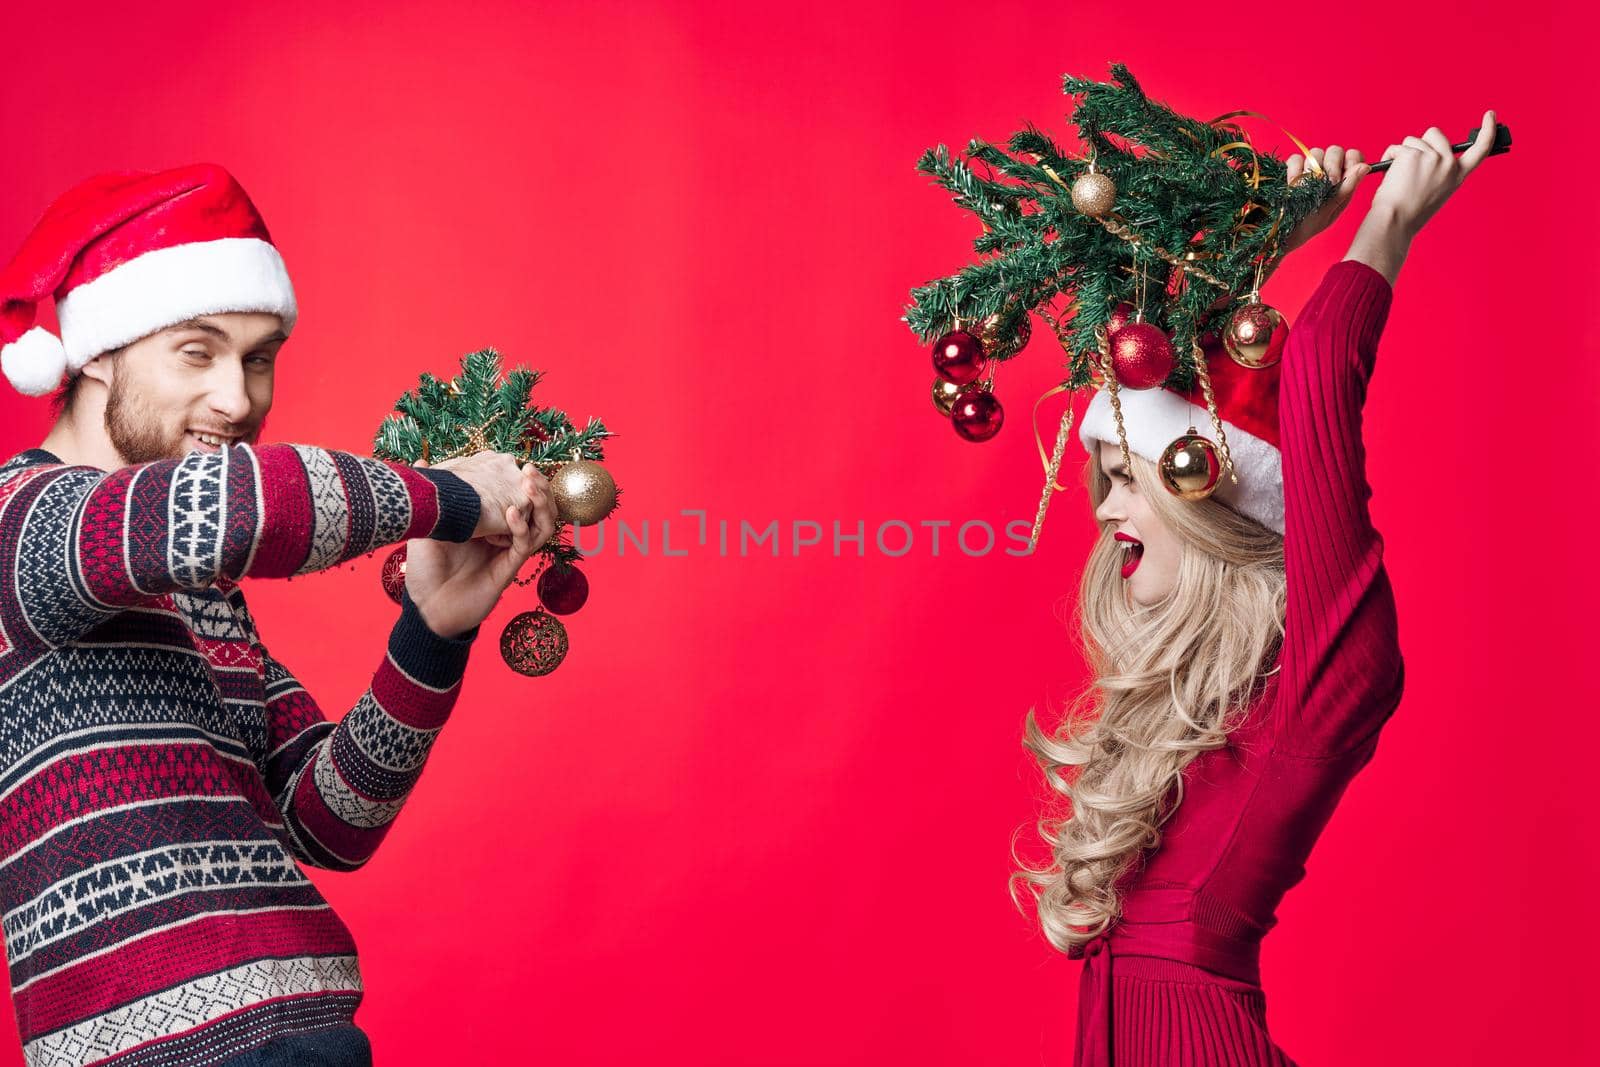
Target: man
(160,772)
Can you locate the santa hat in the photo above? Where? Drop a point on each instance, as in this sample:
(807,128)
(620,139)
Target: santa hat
(1247,402)
(127,254)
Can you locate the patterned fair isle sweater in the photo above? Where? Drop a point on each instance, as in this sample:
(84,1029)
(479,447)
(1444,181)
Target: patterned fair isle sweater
(162,773)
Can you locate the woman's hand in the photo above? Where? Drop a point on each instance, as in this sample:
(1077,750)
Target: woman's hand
(1424,173)
(1345,170)
(455,585)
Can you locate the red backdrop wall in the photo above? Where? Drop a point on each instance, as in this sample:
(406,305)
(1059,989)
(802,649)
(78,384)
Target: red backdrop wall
(763,812)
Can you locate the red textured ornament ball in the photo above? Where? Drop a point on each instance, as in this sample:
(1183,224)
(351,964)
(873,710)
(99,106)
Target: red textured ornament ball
(394,573)
(976,414)
(1141,356)
(958,357)
(562,589)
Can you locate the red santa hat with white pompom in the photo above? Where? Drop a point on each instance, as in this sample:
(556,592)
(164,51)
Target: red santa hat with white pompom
(127,254)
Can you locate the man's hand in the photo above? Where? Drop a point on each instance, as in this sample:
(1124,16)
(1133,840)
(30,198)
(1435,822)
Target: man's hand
(455,585)
(1345,170)
(500,484)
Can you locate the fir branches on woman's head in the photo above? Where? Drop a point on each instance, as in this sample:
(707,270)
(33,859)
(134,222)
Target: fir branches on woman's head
(1193,190)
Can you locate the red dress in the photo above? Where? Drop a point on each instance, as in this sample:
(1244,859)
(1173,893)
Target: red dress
(1175,982)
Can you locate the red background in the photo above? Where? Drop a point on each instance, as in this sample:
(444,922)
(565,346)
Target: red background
(762,814)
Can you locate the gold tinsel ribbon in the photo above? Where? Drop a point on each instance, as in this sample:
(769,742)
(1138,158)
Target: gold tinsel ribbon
(1051,461)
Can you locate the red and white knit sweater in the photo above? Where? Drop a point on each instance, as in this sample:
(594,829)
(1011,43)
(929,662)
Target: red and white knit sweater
(161,773)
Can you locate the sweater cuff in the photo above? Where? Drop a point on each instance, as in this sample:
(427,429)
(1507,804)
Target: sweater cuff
(435,661)
(459,505)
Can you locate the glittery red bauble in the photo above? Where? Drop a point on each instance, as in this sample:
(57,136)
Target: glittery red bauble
(958,357)
(1141,355)
(394,573)
(976,414)
(562,589)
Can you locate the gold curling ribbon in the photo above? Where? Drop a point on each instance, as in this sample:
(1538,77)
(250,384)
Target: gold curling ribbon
(1312,166)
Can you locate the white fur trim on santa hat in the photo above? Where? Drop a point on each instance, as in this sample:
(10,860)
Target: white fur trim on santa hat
(34,362)
(166,286)
(1153,417)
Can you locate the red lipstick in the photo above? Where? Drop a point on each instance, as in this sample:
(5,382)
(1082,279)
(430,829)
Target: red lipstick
(1134,552)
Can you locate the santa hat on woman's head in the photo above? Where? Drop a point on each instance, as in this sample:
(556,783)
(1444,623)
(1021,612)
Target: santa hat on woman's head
(1247,402)
(130,253)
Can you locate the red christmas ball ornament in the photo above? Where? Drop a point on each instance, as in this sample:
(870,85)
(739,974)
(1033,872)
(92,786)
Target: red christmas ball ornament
(958,357)
(976,414)
(394,573)
(562,589)
(1141,356)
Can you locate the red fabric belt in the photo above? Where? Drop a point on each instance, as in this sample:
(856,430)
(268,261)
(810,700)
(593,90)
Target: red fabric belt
(1163,928)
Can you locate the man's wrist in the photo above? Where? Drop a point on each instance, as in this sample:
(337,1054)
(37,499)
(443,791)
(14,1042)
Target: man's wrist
(422,651)
(443,631)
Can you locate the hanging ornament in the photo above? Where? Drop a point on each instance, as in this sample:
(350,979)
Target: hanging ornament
(1094,194)
(1189,467)
(534,436)
(989,335)
(584,492)
(562,589)
(959,357)
(944,395)
(1255,334)
(1141,355)
(534,643)
(976,414)
(394,573)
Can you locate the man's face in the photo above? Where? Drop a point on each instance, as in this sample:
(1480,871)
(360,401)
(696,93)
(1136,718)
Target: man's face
(190,386)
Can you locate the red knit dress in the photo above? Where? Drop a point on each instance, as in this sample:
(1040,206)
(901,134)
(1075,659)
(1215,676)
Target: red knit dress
(1176,981)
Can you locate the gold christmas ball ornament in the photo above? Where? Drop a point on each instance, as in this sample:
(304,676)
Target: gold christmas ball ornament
(1094,194)
(1190,467)
(944,395)
(534,643)
(584,492)
(989,334)
(1255,335)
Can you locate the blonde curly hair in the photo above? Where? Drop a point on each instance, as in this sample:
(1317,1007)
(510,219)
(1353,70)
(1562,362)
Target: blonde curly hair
(1170,681)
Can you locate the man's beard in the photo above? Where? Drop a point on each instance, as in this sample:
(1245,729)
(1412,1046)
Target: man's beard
(136,429)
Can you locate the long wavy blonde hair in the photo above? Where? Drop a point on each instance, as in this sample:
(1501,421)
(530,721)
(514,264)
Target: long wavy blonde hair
(1170,681)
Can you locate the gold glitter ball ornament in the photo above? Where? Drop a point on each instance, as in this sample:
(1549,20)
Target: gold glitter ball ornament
(584,492)
(534,643)
(1189,467)
(1094,194)
(944,395)
(1255,335)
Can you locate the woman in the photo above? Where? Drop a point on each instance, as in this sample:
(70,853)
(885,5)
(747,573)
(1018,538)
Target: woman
(1246,656)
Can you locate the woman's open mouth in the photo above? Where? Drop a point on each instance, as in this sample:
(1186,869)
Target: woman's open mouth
(1132,553)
